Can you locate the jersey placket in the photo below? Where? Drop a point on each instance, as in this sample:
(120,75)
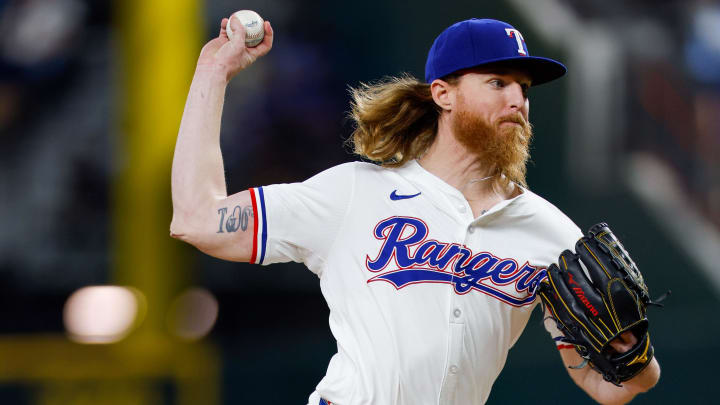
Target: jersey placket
(457,325)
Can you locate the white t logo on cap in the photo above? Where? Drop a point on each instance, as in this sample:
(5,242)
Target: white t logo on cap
(513,33)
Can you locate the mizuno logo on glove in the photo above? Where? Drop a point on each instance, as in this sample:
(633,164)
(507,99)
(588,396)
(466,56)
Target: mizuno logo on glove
(581,295)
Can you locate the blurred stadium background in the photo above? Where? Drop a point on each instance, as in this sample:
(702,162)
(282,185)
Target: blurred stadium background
(100,306)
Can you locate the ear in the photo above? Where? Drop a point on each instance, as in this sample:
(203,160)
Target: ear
(443,94)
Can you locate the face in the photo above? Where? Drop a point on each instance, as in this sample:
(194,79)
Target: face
(490,118)
(495,94)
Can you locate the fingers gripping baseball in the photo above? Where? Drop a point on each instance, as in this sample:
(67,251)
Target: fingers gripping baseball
(230,56)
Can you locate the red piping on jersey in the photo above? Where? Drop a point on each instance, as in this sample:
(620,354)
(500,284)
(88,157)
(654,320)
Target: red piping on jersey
(255,226)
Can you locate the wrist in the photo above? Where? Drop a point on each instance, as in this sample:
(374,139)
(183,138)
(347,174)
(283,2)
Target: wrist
(213,73)
(646,379)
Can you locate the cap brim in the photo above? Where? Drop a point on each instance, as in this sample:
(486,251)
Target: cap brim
(541,70)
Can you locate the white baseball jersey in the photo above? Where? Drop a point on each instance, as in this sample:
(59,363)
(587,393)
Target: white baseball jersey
(425,300)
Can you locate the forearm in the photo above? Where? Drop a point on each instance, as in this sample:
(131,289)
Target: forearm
(203,214)
(644,381)
(198,177)
(604,392)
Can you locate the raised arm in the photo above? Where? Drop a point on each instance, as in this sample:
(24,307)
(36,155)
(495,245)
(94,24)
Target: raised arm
(203,214)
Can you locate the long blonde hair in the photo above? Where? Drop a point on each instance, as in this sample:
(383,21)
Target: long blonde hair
(396,119)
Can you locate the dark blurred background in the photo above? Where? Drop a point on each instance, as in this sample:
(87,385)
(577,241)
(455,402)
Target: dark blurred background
(99,306)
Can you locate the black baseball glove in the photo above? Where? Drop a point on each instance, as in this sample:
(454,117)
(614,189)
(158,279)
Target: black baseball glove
(595,295)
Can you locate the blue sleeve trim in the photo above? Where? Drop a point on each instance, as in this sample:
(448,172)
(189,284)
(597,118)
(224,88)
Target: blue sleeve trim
(264,228)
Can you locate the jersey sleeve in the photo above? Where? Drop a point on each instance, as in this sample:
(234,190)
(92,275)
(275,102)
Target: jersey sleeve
(300,221)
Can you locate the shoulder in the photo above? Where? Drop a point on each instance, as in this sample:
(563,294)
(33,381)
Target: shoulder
(551,218)
(349,168)
(544,206)
(341,174)
(360,171)
(338,177)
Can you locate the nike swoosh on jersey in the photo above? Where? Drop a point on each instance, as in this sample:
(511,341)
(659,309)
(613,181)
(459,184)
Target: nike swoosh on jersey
(394,196)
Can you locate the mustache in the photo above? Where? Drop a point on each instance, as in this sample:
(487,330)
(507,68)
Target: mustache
(516,118)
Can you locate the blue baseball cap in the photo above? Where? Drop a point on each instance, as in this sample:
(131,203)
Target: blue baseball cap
(475,42)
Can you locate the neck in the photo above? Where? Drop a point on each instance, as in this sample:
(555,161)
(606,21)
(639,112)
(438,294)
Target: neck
(455,165)
(449,160)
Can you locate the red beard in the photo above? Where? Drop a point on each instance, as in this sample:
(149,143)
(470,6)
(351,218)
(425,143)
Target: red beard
(506,148)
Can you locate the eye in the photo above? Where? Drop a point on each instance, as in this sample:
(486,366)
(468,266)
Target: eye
(497,83)
(525,89)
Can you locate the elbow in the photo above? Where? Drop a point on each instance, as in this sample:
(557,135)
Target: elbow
(186,223)
(186,232)
(180,229)
(176,234)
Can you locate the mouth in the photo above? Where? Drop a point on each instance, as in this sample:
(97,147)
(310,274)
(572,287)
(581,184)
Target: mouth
(513,119)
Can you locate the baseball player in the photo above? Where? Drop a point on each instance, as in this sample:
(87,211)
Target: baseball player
(430,261)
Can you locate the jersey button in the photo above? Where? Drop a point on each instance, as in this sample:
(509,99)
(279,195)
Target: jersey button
(453,369)
(471,229)
(457,312)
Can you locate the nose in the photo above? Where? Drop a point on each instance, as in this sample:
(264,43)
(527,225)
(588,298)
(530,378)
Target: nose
(515,96)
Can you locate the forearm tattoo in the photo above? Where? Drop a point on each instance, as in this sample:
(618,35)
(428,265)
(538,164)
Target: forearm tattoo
(238,219)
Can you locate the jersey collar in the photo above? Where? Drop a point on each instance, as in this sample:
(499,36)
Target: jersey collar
(449,196)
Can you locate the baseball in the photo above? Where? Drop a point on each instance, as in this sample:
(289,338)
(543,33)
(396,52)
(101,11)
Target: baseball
(254,27)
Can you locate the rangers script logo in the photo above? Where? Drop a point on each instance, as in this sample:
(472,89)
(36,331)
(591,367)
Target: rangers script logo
(418,260)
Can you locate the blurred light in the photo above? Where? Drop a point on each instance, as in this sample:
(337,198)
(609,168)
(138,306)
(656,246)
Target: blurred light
(102,314)
(36,31)
(702,51)
(193,313)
